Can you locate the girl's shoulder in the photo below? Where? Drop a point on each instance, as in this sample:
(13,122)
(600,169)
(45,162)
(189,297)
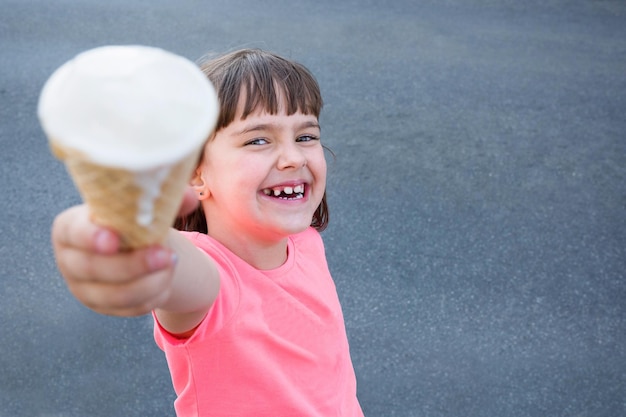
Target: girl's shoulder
(196,237)
(309,236)
(205,242)
(308,244)
(219,253)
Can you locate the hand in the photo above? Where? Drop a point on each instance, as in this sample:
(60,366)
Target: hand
(108,281)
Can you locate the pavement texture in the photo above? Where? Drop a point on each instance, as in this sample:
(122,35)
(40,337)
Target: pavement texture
(477,195)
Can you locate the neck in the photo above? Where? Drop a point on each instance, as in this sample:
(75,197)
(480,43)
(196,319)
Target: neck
(261,252)
(260,255)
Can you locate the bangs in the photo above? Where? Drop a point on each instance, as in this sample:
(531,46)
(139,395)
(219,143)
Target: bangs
(267,82)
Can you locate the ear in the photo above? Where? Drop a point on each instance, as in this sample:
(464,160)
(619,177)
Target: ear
(199,185)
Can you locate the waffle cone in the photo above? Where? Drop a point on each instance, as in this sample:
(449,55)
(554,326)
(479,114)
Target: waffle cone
(117,200)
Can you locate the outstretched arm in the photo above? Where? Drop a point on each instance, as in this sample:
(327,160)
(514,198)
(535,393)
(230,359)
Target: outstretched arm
(177,280)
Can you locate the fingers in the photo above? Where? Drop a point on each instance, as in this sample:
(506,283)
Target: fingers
(85,251)
(105,279)
(130,298)
(80,264)
(72,228)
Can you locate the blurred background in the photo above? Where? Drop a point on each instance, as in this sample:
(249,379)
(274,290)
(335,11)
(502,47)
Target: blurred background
(477,196)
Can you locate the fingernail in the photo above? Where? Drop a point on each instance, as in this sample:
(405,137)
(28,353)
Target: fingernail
(103,241)
(160,259)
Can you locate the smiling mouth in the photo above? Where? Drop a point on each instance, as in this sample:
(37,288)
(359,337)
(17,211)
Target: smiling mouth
(286,193)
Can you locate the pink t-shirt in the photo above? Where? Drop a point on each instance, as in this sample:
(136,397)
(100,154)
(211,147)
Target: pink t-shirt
(273,343)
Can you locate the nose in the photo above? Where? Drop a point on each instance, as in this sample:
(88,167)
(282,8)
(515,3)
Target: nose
(291,156)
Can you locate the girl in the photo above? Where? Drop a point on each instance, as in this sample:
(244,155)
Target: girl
(244,306)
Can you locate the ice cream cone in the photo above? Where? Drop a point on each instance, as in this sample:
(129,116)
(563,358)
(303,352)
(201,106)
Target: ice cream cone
(140,206)
(129,122)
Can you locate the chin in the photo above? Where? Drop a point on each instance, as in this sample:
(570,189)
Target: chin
(292,228)
(295,229)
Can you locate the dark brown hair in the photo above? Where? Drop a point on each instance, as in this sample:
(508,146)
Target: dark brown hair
(265,79)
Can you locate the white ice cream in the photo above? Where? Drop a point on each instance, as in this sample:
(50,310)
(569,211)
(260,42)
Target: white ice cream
(131,107)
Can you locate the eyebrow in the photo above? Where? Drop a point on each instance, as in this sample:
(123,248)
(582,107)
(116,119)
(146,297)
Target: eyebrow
(273,126)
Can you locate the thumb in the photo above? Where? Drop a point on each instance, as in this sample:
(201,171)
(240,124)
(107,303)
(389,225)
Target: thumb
(74,229)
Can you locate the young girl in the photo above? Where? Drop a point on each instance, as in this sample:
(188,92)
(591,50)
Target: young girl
(244,306)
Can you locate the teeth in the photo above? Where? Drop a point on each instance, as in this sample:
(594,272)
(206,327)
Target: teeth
(298,190)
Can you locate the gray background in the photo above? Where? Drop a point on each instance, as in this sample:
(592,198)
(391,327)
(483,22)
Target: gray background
(478,201)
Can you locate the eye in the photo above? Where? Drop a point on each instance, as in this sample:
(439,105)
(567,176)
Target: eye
(307,138)
(257,141)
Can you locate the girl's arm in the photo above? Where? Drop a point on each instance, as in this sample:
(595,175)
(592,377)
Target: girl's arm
(177,280)
(193,289)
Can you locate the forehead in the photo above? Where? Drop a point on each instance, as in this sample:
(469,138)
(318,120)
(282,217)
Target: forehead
(260,106)
(261,120)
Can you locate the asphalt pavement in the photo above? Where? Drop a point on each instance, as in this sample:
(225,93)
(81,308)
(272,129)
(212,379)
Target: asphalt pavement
(477,199)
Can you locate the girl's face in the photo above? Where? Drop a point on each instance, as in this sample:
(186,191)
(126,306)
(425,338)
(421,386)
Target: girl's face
(263,176)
